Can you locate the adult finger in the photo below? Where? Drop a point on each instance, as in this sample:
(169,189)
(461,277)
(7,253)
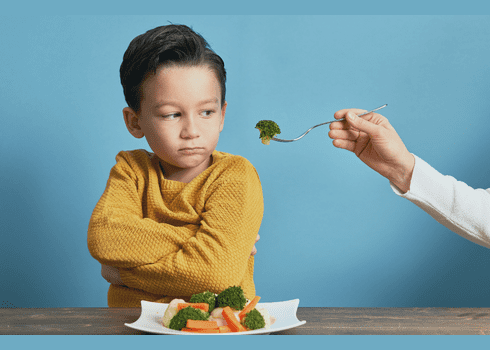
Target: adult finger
(362,124)
(339,125)
(345,144)
(342,113)
(344,134)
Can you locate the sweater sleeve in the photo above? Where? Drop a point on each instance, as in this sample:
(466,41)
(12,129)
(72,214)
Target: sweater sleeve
(219,254)
(118,234)
(454,204)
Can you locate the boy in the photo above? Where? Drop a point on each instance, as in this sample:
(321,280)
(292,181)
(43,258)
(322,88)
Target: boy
(183,219)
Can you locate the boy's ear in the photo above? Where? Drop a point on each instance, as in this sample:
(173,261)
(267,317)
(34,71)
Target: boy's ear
(132,122)
(223,111)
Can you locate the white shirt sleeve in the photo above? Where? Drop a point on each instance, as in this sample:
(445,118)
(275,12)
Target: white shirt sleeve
(454,204)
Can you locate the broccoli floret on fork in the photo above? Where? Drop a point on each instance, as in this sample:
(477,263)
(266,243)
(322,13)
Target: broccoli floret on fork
(268,129)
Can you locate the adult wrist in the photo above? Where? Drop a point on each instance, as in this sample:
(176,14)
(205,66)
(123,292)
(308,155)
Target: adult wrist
(402,176)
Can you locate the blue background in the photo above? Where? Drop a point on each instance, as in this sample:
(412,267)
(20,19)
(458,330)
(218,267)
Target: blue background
(333,233)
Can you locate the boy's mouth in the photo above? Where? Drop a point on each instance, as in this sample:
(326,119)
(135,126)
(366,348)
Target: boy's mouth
(192,150)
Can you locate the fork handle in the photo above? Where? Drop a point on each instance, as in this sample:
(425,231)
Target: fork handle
(337,120)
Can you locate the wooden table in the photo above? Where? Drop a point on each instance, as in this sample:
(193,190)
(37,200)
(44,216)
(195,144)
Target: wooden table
(319,320)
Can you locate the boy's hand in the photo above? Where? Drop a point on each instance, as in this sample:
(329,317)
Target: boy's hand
(254,250)
(373,139)
(111,274)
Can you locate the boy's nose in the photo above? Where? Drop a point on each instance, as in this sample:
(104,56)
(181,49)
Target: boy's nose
(190,129)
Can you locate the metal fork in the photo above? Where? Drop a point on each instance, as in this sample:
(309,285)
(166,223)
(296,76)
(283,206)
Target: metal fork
(337,120)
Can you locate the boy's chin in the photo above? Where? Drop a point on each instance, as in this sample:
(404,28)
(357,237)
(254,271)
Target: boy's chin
(191,161)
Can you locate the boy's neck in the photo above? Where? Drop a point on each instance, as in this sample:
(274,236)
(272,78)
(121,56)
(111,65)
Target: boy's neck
(174,173)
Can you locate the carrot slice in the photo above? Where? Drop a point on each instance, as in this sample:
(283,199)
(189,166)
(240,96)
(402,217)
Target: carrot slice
(199,324)
(224,329)
(209,330)
(231,320)
(202,306)
(249,307)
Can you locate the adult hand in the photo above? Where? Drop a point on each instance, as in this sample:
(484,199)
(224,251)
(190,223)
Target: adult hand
(111,274)
(254,250)
(375,142)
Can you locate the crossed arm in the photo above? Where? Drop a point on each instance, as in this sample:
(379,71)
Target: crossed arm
(112,275)
(161,258)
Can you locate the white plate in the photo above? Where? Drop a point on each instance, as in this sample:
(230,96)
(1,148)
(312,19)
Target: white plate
(151,316)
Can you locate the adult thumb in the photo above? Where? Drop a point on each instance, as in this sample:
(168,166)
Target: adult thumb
(361,124)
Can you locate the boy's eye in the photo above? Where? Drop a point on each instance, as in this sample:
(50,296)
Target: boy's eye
(207,113)
(171,116)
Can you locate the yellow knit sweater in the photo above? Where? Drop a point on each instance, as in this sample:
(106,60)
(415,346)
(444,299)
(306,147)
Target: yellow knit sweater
(171,239)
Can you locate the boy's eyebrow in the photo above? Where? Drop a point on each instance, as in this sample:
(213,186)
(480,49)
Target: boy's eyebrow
(211,100)
(170,103)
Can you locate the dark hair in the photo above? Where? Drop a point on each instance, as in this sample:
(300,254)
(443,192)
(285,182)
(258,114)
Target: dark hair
(165,45)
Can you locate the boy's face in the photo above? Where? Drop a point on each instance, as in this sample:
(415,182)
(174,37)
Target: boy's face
(181,116)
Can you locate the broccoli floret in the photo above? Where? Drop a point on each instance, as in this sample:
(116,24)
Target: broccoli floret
(253,320)
(205,297)
(179,321)
(232,297)
(268,129)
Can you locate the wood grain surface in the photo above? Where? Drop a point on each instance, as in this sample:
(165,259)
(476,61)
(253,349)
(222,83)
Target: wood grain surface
(319,320)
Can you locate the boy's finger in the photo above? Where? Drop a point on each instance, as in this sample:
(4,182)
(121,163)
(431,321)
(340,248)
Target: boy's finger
(257,238)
